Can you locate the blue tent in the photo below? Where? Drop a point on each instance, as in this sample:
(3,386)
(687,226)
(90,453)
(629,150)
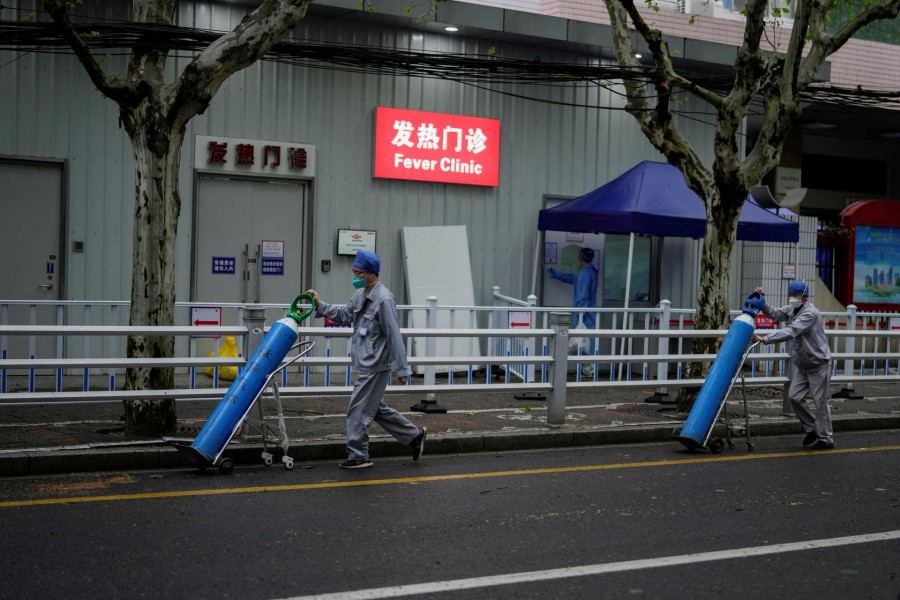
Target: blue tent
(653,199)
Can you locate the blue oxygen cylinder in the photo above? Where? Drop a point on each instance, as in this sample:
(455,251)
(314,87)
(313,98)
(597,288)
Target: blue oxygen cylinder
(706,407)
(230,411)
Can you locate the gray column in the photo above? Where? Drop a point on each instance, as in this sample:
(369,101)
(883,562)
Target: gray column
(559,350)
(255,320)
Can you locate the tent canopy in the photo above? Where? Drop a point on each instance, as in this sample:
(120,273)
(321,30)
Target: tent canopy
(653,199)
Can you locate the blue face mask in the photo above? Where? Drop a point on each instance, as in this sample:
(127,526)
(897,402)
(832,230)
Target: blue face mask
(359,282)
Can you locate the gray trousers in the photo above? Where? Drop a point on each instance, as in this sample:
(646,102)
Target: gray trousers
(816,385)
(366,406)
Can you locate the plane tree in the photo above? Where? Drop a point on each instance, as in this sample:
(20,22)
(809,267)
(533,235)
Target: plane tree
(767,75)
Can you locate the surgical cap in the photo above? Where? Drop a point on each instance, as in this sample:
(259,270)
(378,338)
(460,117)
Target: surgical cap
(798,287)
(368,262)
(587,254)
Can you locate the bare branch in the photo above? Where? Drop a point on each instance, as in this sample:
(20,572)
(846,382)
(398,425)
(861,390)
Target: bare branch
(660,50)
(247,43)
(111,86)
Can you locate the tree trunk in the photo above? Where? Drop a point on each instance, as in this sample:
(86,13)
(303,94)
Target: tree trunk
(712,293)
(157,155)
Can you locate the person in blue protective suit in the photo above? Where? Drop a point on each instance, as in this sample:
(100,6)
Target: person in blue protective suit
(376,348)
(808,346)
(584,293)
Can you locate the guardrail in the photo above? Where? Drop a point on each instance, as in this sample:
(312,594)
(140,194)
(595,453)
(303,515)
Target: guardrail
(45,377)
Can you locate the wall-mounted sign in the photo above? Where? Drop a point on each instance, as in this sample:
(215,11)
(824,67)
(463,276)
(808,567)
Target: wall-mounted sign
(425,146)
(223,265)
(272,257)
(788,271)
(786,179)
(254,157)
(350,241)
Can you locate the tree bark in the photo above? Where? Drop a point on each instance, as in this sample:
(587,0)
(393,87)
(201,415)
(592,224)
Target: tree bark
(155,115)
(712,291)
(157,159)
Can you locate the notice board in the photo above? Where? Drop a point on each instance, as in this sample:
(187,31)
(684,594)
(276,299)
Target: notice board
(436,261)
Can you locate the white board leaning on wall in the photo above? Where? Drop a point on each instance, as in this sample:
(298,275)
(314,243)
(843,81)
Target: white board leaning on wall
(436,260)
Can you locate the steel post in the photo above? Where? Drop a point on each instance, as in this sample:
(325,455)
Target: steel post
(559,350)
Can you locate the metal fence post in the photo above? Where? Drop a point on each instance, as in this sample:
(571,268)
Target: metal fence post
(849,347)
(662,347)
(530,346)
(559,350)
(429,404)
(255,320)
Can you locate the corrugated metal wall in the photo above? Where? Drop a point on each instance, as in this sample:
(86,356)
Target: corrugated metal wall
(763,263)
(561,141)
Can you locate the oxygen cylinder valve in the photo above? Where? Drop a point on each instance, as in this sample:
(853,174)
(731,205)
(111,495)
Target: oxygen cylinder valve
(754,303)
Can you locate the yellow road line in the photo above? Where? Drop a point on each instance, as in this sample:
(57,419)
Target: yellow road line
(428,478)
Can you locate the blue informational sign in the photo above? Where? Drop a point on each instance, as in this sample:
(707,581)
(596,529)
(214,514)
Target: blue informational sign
(273,266)
(223,265)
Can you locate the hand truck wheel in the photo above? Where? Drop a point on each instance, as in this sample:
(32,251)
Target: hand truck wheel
(716,445)
(226,465)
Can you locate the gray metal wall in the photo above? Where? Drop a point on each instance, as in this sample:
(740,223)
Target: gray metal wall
(564,141)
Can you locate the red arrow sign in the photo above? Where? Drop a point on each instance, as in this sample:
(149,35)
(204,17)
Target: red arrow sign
(516,324)
(198,322)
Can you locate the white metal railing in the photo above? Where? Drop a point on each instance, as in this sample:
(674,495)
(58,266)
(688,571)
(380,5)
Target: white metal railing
(652,350)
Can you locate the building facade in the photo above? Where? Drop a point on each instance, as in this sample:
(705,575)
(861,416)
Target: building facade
(282,166)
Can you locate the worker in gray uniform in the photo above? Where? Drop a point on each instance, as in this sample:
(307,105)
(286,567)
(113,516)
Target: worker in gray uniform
(808,347)
(376,348)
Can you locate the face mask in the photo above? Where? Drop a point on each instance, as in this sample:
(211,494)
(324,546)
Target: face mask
(359,282)
(794,302)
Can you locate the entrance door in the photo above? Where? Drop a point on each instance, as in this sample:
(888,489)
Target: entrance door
(31,245)
(249,242)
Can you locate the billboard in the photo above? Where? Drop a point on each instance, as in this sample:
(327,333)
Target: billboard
(426,146)
(876,266)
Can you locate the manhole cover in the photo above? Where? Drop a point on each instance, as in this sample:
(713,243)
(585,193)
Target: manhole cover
(188,430)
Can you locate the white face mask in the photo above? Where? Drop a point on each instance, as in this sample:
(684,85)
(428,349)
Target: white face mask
(794,302)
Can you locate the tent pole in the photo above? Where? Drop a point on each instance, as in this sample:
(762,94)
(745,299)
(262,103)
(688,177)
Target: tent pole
(627,295)
(538,242)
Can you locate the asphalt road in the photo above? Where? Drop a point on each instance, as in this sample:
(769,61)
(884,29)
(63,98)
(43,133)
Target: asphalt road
(644,521)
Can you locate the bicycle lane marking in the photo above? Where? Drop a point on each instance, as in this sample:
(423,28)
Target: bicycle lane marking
(433,478)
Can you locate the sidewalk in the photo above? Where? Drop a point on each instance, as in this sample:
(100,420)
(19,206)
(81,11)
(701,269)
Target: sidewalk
(90,437)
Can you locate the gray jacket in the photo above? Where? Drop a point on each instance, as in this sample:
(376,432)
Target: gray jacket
(804,333)
(376,344)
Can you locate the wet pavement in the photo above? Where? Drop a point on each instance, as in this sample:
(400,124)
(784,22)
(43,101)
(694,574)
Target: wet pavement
(59,438)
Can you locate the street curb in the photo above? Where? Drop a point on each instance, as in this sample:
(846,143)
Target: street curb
(164,456)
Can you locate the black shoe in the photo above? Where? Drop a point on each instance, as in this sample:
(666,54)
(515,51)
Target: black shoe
(359,463)
(822,445)
(810,438)
(418,444)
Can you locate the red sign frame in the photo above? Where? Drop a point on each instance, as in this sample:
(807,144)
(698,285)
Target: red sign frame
(426,146)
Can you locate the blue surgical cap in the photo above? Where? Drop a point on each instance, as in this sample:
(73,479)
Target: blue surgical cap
(368,262)
(587,254)
(798,287)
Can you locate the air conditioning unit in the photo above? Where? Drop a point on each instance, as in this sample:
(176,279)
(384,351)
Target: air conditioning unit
(696,7)
(734,5)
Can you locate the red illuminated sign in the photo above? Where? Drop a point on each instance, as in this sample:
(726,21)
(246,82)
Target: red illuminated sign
(425,146)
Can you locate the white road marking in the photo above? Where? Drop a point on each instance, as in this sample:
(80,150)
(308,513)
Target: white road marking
(600,569)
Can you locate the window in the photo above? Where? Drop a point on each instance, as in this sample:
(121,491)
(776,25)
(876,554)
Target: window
(615,269)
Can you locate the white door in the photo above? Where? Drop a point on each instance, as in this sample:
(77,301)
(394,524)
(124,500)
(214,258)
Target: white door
(31,246)
(249,242)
